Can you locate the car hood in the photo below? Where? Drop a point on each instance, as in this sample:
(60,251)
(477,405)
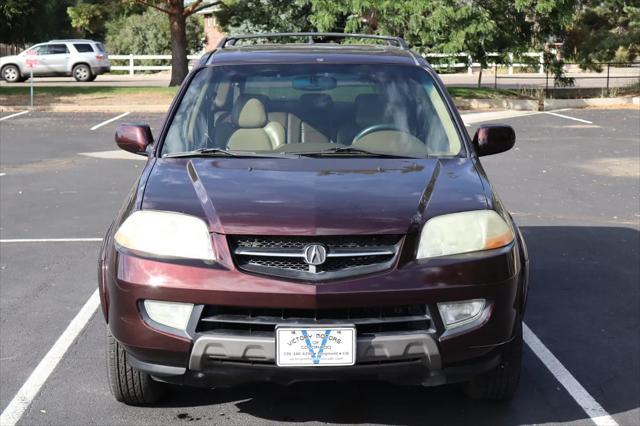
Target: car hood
(313,196)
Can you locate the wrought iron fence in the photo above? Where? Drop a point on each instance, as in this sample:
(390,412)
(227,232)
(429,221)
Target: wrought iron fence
(607,76)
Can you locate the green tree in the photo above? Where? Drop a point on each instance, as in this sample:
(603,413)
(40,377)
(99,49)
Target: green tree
(86,18)
(32,21)
(477,27)
(602,31)
(148,33)
(259,16)
(178,12)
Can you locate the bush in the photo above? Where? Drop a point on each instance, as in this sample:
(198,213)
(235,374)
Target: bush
(149,34)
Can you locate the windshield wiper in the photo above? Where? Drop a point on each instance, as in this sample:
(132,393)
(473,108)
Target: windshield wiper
(205,152)
(201,152)
(352,151)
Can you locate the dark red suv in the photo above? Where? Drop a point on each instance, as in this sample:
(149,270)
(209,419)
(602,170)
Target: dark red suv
(313,211)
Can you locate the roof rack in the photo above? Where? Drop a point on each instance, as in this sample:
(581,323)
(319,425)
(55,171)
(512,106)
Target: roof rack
(231,40)
(68,40)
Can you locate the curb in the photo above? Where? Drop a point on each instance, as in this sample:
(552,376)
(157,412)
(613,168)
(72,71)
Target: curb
(490,104)
(463,104)
(590,102)
(549,104)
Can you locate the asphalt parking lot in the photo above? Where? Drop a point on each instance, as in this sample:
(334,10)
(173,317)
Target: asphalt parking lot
(572,182)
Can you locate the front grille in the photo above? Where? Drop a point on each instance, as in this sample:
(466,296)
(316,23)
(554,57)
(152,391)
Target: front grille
(262,321)
(331,241)
(285,256)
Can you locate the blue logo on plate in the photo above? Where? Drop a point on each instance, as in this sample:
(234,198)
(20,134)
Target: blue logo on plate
(315,357)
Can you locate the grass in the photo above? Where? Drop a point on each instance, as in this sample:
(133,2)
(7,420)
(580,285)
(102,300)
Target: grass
(85,90)
(99,95)
(456,92)
(485,93)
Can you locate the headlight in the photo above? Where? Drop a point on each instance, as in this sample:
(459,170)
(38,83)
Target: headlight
(455,314)
(172,314)
(166,234)
(463,233)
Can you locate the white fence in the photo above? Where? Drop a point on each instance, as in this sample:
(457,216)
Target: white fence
(131,66)
(469,64)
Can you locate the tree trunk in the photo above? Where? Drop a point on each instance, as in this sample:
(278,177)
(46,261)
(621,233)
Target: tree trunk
(480,77)
(179,64)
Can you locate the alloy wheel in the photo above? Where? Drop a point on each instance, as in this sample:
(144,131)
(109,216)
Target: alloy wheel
(10,74)
(81,73)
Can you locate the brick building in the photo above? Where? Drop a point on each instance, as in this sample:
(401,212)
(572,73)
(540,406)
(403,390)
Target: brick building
(212,31)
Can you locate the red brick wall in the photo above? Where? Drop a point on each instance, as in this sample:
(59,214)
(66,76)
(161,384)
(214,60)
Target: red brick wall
(212,32)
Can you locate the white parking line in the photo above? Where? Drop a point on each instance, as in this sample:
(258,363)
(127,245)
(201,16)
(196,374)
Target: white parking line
(13,115)
(590,406)
(51,240)
(97,126)
(39,376)
(117,154)
(2,174)
(567,117)
(480,117)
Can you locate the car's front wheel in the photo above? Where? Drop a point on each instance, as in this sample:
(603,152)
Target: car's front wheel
(82,73)
(11,74)
(127,384)
(500,383)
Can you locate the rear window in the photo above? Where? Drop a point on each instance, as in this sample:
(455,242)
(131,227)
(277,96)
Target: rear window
(83,47)
(100,47)
(280,87)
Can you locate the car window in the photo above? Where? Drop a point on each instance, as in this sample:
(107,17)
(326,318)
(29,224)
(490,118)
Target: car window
(43,49)
(279,87)
(100,47)
(390,109)
(83,47)
(56,49)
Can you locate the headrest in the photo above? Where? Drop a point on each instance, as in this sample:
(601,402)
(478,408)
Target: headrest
(369,110)
(222,94)
(316,100)
(249,114)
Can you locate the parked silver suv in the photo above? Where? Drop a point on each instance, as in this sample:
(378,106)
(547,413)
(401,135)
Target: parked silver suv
(82,59)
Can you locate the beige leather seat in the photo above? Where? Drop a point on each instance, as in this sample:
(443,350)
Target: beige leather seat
(370,111)
(393,142)
(297,131)
(254,132)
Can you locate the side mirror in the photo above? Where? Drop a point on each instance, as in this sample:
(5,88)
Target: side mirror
(134,138)
(493,138)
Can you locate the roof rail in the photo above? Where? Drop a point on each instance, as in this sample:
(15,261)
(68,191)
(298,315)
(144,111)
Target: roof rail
(68,40)
(231,40)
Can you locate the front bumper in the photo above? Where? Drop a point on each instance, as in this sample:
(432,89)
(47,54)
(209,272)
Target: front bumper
(433,357)
(409,359)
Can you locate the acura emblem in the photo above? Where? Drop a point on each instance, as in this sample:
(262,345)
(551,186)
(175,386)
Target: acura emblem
(315,254)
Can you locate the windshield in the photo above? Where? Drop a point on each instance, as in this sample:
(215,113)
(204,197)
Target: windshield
(315,109)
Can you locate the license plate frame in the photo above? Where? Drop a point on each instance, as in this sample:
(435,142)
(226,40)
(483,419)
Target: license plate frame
(343,354)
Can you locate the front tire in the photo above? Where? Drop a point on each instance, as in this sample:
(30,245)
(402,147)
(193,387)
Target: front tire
(11,74)
(500,383)
(82,73)
(127,384)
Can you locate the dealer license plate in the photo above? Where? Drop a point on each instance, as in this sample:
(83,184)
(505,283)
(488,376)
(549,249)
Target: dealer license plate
(315,346)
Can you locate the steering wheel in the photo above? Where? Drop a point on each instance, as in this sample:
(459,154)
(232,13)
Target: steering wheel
(375,128)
